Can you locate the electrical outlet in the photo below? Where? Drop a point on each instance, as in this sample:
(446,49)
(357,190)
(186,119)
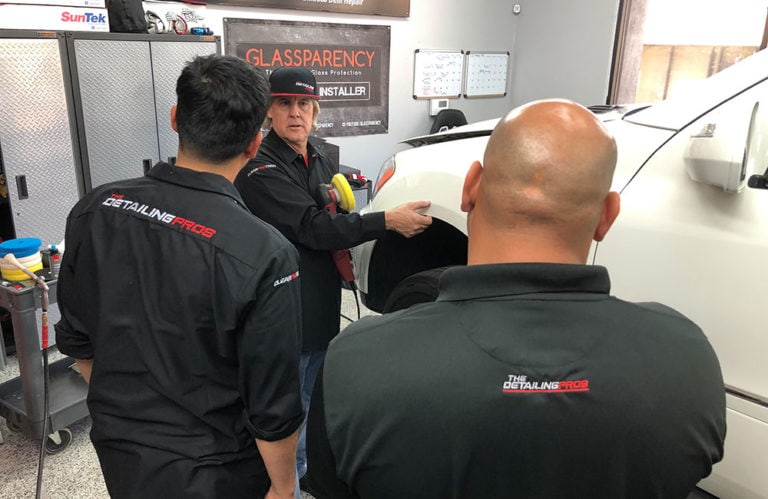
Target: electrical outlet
(437,105)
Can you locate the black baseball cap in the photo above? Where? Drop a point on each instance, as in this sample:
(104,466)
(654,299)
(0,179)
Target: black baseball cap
(293,82)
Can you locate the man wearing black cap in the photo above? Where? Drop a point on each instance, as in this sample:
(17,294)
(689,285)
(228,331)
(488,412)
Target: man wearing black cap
(279,185)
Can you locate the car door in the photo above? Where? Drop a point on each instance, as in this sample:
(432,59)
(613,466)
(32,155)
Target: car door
(703,250)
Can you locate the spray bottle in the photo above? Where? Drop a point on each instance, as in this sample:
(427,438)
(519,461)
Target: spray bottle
(54,260)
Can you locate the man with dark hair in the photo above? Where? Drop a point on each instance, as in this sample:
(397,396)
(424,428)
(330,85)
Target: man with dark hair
(182,310)
(525,379)
(279,187)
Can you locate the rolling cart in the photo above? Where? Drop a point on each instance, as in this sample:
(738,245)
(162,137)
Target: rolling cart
(21,398)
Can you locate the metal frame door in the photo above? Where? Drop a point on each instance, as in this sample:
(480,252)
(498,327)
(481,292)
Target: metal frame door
(168,59)
(36,135)
(114,94)
(124,87)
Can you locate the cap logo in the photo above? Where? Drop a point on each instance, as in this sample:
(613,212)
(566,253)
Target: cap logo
(305,85)
(292,81)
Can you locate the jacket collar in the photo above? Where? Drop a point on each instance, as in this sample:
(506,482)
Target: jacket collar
(200,181)
(497,280)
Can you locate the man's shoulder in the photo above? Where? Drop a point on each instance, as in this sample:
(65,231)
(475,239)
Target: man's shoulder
(232,226)
(662,310)
(658,313)
(249,237)
(273,150)
(259,168)
(658,327)
(389,330)
(98,195)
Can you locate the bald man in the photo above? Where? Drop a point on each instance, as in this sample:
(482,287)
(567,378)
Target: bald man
(526,378)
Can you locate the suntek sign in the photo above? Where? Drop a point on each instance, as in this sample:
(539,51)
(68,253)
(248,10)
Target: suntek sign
(86,17)
(54,17)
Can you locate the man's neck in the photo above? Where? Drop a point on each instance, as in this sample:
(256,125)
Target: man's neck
(301,148)
(522,247)
(228,169)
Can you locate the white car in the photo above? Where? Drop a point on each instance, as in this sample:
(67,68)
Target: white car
(692,233)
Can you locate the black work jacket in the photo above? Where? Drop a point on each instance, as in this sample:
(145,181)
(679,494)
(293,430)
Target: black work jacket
(188,306)
(279,188)
(523,380)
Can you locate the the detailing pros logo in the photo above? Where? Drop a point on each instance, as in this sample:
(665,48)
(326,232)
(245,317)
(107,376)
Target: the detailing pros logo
(119,202)
(520,384)
(285,279)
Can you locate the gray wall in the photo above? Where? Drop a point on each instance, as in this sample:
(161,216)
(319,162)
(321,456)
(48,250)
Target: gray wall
(559,48)
(564,49)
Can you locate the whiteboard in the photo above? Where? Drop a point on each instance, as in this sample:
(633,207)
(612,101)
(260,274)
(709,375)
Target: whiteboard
(486,74)
(437,73)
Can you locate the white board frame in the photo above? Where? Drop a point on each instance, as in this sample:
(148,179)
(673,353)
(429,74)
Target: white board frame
(438,73)
(486,74)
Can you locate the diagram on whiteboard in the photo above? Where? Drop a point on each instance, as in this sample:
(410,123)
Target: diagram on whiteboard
(486,74)
(437,73)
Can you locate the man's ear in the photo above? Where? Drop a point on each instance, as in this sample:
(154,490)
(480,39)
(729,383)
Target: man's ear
(611,208)
(253,147)
(173,119)
(471,185)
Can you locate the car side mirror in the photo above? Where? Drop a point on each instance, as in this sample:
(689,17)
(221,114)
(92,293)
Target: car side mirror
(715,156)
(756,155)
(759,181)
(724,151)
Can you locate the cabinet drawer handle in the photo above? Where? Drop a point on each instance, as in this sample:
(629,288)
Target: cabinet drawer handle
(21,186)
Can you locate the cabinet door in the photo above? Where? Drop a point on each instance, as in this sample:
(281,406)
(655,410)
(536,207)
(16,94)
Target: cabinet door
(36,144)
(168,59)
(114,89)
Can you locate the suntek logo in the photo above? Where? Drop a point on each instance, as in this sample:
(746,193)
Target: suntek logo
(87,17)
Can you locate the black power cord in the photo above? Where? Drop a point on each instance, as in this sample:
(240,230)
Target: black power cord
(351,286)
(39,487)
(346,318)
(44,340)
(357,302)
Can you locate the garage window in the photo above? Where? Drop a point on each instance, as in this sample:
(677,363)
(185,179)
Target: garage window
(663,47)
